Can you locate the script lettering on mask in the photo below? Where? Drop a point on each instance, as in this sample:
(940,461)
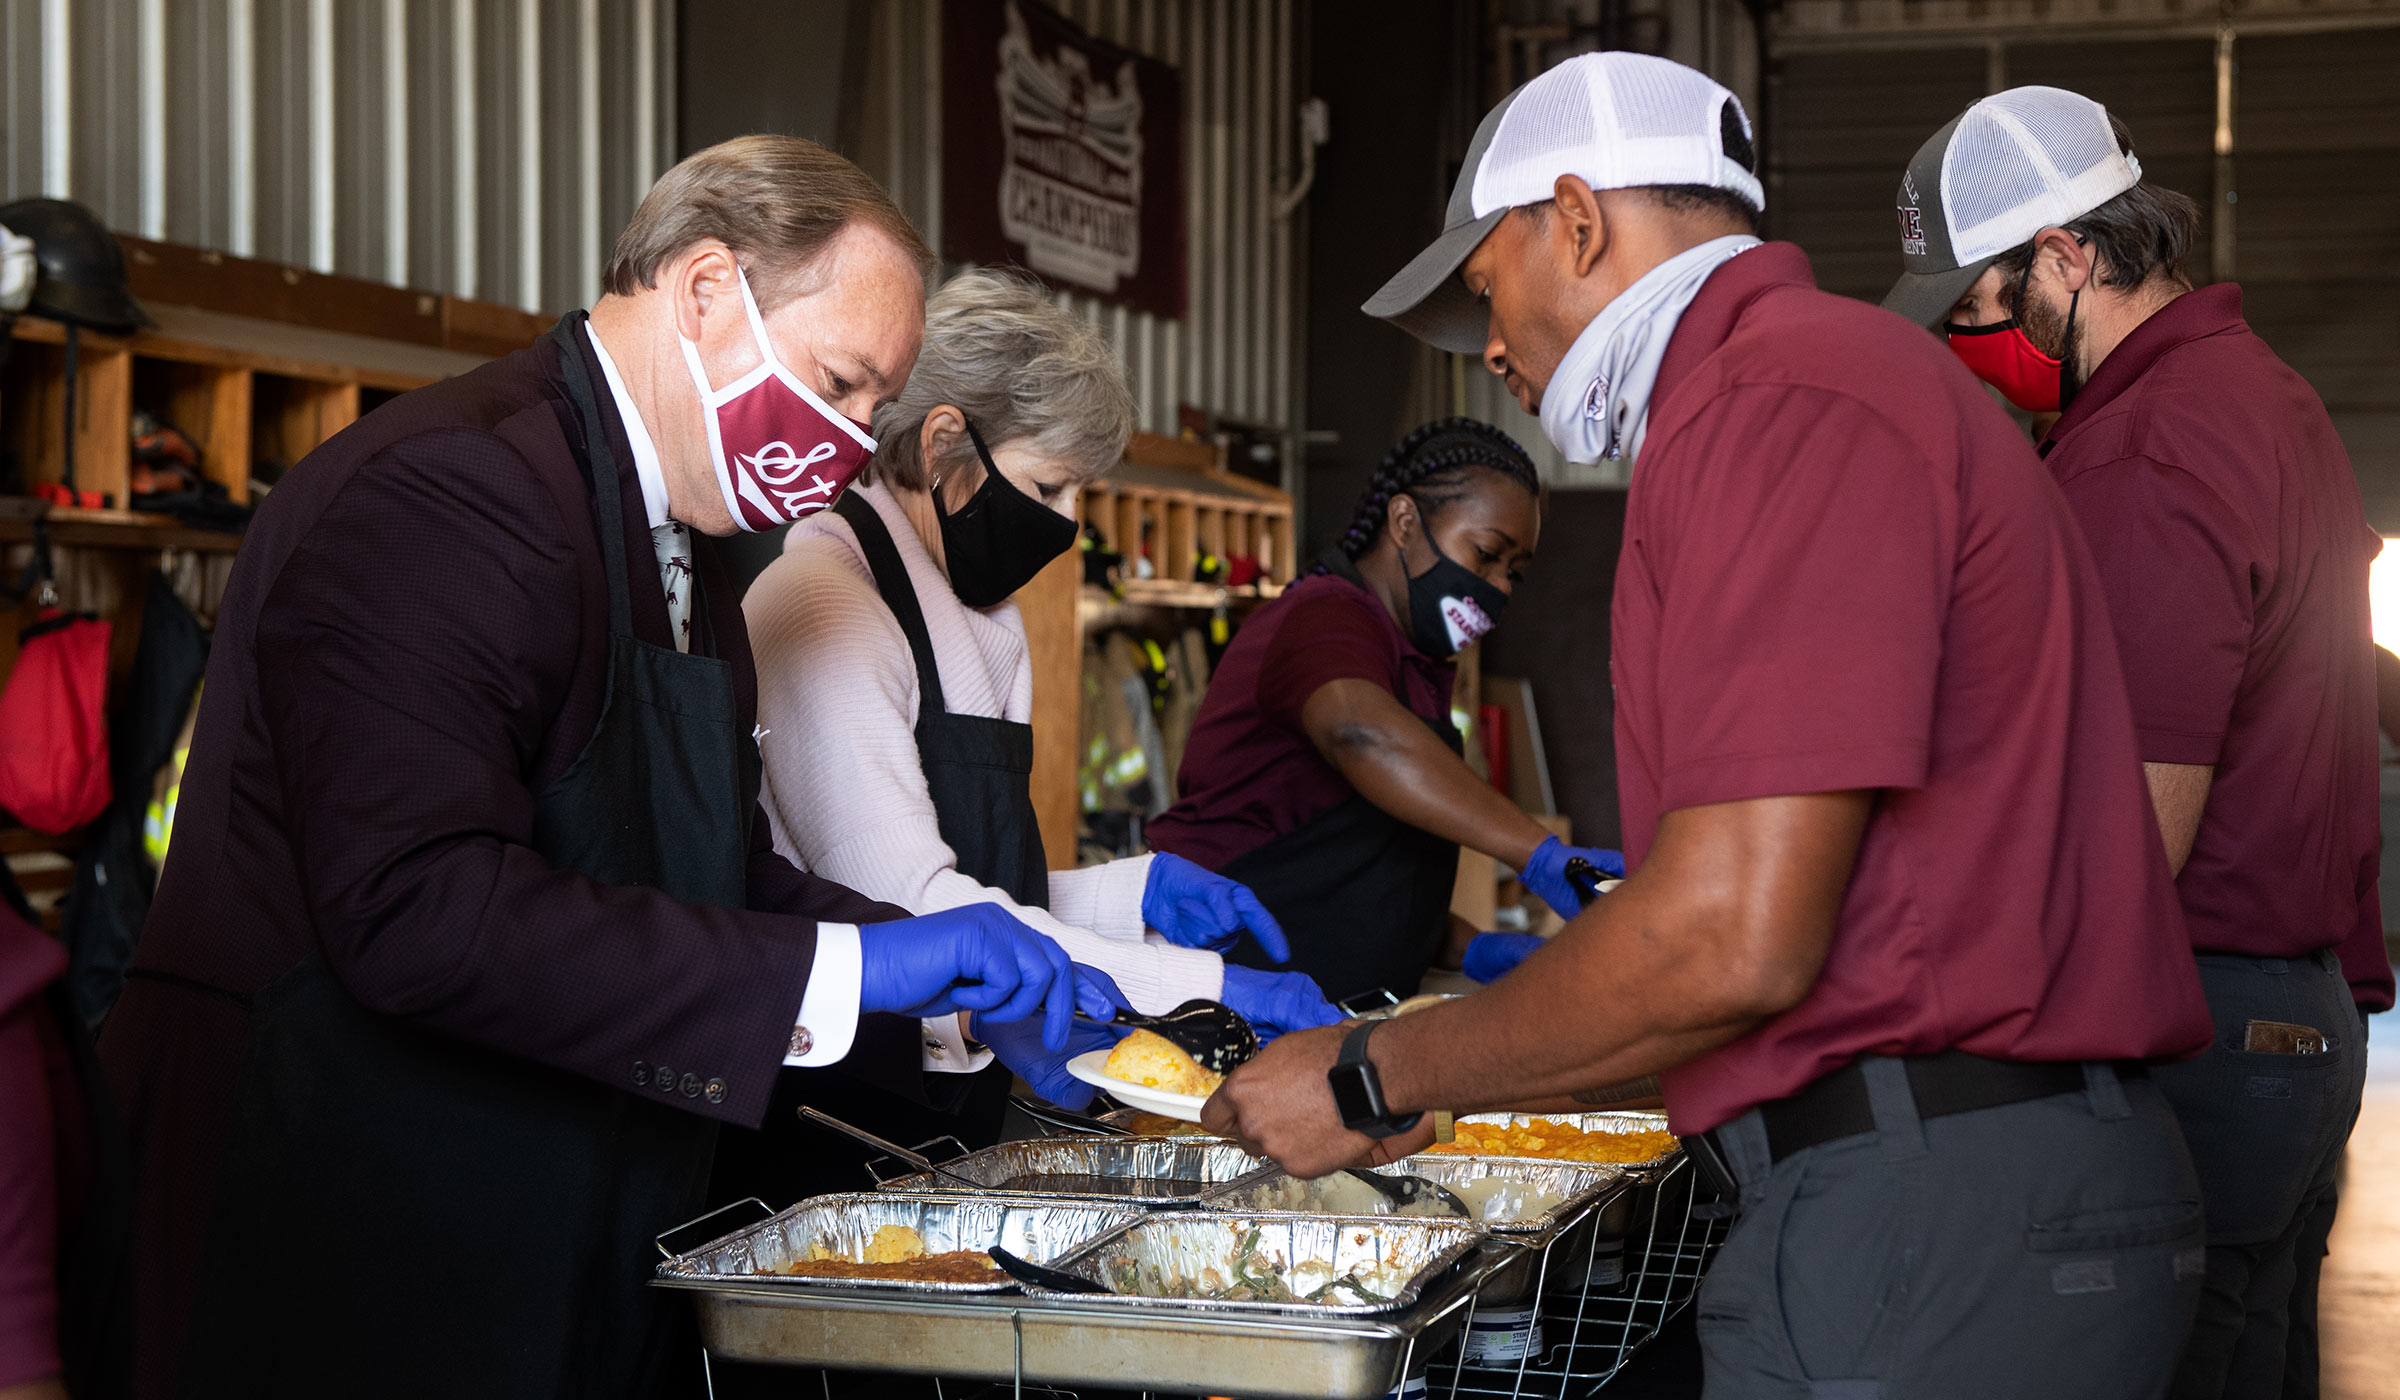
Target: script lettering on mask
(779,469)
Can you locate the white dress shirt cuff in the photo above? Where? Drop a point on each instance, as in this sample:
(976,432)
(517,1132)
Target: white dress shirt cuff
(946,1049)
(828,1019)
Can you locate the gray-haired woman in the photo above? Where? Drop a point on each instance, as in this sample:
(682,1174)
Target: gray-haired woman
(895,686)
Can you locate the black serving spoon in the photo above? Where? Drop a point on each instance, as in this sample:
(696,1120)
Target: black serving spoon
(1212,1033)
(1409,1190)
(1056,1280)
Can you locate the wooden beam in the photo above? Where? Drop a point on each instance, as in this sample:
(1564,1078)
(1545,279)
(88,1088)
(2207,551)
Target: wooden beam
(1053,645)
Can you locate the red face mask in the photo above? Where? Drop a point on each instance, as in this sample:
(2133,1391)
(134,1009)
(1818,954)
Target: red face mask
(2003,356)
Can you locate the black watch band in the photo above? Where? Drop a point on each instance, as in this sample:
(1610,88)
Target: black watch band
(1358,1090)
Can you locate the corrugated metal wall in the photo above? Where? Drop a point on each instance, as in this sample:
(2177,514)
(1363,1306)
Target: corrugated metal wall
(1234,352)
(488,148)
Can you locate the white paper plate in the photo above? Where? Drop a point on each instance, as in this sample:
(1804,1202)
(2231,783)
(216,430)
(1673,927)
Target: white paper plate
(1087,1067)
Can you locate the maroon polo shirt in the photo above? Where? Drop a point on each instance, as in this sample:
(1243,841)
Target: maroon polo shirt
(2223,515)
(1249,772)
(1844,568)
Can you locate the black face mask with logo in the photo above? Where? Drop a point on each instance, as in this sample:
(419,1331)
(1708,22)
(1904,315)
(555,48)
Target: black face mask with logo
(1000,538)
(1450,606)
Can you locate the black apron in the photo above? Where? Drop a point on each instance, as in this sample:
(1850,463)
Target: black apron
(401,1213)
(979,772)
(1363,897)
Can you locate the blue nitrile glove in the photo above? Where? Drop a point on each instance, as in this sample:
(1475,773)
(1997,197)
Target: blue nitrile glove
(1492,956)
(1275,1002)
(976,957)
(1196,908)
(1045,1069)
(1545,873)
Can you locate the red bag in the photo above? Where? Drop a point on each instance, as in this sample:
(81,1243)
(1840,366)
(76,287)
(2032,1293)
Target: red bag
(54,726)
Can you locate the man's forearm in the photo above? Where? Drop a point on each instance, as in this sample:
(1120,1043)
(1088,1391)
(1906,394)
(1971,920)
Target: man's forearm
(1723,928)
(1531,1036)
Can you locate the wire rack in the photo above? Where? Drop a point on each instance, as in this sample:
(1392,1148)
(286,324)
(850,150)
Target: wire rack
(1601,1290)
(1594,1315)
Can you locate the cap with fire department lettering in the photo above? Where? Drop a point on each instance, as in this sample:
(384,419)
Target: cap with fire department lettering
(2008,167)
(1617,120)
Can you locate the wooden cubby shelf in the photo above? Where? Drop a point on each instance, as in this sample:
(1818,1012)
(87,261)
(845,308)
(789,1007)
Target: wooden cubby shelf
(244,390)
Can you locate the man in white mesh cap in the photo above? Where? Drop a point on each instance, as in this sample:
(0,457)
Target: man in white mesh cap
(1899,938)
(2226,523)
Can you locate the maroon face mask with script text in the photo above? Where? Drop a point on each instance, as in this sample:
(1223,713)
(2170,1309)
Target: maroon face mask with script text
(780,451)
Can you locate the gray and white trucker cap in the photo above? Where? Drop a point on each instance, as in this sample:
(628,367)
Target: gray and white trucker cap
(1618,120)
(2008,167)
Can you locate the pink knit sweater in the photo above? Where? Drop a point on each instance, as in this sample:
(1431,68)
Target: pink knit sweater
(837,695)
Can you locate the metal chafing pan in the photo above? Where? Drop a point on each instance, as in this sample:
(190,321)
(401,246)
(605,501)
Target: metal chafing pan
(1036,1230)
(1588,1122)
(1147,1167)
(1064,1340)
(1570,1186)
(1135,1120)
(1154,1258)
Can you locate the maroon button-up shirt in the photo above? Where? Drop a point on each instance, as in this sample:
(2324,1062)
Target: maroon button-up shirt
(2226,522)
(1844,569)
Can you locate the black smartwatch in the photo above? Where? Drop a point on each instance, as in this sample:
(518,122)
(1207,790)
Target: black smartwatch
(1358,1090)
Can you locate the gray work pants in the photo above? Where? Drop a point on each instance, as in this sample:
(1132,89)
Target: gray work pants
(2266,1133)
(2050,1250)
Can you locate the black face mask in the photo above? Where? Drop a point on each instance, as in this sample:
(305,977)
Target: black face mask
(1450,607)
(1000,538)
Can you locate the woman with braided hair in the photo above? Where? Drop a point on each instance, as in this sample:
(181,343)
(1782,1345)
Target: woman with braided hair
(1323,770)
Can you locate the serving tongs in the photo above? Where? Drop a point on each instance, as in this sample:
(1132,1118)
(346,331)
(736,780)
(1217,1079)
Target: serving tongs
(1212,1033)
(911,1156)
(1050,1116)
(1041,1276)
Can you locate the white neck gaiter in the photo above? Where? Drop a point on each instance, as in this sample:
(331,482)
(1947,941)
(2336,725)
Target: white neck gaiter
(1598,403)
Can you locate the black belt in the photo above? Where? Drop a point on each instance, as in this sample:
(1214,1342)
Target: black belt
(1836,1106)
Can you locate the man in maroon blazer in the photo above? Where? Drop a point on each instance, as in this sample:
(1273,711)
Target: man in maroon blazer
(471,935)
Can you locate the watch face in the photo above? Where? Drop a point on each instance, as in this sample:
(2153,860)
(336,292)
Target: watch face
(1351,1097)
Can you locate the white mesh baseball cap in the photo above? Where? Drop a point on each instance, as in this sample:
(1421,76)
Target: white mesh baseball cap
(1618,120)
(2008,167)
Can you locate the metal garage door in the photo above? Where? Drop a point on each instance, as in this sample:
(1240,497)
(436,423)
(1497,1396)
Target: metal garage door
(2312,228)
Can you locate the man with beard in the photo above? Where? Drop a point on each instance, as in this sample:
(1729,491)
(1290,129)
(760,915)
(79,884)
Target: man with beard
(2226,522)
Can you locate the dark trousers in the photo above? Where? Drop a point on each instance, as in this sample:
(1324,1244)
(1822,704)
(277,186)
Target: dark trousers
(2050,1250)
(2266,1133)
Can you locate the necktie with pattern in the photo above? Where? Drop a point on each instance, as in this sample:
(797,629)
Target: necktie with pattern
(675,576)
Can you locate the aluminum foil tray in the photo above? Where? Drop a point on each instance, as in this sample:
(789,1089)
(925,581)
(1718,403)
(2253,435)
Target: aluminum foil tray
(1150,1261)
(1588,1122)
(1036,1230)
(1522,1198)
(1142,1171)
(1062,1340)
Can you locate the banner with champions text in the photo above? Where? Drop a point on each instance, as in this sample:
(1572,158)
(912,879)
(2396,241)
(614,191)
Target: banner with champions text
(1061,154)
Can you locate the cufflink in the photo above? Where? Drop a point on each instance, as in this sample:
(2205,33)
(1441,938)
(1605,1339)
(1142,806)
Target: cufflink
(802,1041)
(935,1048)
(715,1091)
